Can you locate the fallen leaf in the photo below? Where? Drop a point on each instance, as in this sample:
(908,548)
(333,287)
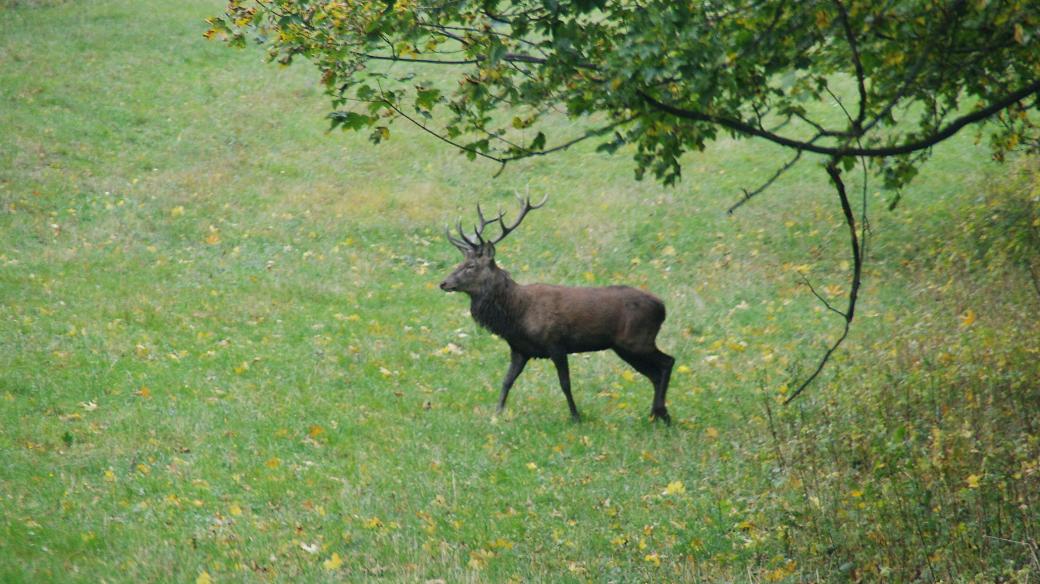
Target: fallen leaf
(968,319)
(333,563)
(674,488)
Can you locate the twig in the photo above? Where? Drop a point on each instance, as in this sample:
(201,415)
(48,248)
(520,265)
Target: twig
(821,298)
(1029,545)
(749,194)
(776,440)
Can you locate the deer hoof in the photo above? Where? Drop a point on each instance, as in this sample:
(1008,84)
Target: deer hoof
(661,414)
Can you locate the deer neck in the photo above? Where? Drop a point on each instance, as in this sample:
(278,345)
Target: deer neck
(496,307)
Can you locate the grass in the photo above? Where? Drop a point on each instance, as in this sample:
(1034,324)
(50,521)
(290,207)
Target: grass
(223,352)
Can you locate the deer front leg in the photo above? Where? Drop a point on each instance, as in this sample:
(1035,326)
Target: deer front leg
(565,383)
(516,365)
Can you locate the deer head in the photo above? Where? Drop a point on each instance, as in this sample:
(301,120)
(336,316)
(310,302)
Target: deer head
(478,264)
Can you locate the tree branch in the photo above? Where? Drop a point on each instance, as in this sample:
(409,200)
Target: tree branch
(508,57)
(857,267)
(748,195)
(850,36)
(848,150)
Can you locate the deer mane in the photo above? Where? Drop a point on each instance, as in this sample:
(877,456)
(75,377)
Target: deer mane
(494,308)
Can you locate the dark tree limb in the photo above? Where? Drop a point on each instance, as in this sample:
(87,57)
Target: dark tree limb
(848,150)
(857,64)
(857,266)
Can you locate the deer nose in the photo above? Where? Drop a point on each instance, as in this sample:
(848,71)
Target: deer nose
(444,286)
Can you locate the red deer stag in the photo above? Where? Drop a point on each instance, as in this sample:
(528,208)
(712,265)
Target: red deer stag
(544,321)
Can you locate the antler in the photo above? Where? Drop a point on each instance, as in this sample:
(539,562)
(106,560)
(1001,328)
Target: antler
(469,244)
(525,207)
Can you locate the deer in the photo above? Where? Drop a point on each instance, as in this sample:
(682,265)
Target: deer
(543,321)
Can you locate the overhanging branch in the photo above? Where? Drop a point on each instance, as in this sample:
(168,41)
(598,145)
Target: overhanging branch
(847,149)
(857,268)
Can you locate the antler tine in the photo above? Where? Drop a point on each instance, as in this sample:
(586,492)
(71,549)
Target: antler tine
(525,208)
(539,205)
(469,242)
(484,222)
(460,245)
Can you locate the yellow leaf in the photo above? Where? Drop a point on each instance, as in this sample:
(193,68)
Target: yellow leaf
(177,211)
(968,319)
(204,578)
(273,462)
(501,543)
(683,369)
(668,251)
(628,375)
(653,559)
(675,488)
(214,236)
(110,476)
(333,563)
(973,481)
(235,510)
(1018,34)
(894,58)
(315,431)
(532,466)
(373,523)
(711,432)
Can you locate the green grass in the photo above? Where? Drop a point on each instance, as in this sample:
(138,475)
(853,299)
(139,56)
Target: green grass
(222,348)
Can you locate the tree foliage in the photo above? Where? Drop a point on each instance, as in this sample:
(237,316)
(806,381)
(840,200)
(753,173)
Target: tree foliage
(666,76)
(669,77)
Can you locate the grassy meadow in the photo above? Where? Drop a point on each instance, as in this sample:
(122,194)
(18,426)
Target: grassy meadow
(224,356)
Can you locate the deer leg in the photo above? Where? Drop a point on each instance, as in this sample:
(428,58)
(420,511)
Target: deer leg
(664,363)
(657,367)
(564,374)
(516,365)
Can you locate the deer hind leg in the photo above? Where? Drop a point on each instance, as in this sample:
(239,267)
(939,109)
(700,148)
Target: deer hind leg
(656,366)
(563,372)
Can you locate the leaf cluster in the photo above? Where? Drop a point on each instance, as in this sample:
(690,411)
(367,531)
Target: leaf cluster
(667,77)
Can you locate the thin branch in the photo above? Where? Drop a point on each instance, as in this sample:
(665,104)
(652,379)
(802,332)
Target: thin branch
(503,160)
(749,194)
(588,134)
(508,57)
(847,150)
(857,262)
(850,36)
(821,298)
(1036,279)
(440,137)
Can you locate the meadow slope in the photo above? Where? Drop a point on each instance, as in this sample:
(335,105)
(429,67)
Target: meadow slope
(223,353)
